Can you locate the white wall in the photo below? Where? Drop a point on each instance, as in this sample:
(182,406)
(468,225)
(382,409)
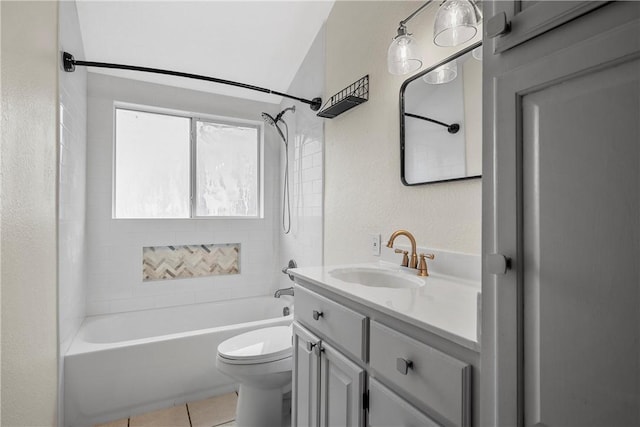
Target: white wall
(115,246)
(306,146)
(29,74)
(363,192)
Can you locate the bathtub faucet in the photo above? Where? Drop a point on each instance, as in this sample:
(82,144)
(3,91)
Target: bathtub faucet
(284,291)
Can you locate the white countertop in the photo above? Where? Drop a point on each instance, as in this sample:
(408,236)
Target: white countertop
(446,305)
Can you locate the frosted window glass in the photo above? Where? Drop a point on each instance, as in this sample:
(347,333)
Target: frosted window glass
(226,170)
(151,165)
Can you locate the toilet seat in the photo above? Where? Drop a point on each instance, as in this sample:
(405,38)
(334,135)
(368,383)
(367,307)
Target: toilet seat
(257,346)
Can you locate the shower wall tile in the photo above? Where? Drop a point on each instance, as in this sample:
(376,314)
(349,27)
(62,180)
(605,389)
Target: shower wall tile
(114,250)
(306,165)
(186,261)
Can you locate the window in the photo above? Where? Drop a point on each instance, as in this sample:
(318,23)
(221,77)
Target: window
(162,172)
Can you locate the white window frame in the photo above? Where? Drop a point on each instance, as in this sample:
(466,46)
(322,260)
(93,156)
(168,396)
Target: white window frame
(194,118)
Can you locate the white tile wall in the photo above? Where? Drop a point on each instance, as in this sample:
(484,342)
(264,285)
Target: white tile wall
(115,246)
(72,271)
(72,182)
(306,146)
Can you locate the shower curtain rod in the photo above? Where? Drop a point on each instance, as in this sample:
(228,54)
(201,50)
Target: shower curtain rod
(70,63)
(453,128)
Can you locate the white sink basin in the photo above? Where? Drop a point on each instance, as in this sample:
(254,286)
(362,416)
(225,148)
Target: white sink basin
(376,277)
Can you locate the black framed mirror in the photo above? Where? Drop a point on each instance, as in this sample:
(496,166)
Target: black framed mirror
(441,121)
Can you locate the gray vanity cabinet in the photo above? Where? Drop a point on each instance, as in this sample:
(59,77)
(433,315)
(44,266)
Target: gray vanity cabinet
(353,370)
(328,388)
(561,218)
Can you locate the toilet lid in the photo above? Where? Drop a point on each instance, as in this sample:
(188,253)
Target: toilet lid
(263,345)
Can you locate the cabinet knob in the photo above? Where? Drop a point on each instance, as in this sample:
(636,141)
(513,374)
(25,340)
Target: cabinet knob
(497,264)
(498,25)
(317,314)
(403,365)
(310,345)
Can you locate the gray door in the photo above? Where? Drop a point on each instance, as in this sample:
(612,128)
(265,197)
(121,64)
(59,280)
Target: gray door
(527,19)
(561,329)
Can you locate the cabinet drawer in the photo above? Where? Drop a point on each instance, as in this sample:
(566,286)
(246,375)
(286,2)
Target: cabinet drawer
(387,409)
(441,382)
(340,325)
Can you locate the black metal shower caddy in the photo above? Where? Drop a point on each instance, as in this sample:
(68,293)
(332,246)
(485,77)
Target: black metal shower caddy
(353,95)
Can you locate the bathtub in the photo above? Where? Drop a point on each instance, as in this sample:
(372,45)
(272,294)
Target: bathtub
(123,364)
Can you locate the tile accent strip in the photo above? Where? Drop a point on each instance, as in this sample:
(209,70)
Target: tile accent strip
(184,261)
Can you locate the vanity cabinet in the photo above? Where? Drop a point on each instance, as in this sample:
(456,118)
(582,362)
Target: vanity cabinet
(561,202)
(388,409)
(441,381)
(328,389)
(338,351)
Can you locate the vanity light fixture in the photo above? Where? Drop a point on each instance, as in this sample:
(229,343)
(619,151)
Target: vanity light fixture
(443,74)
(403,56)
(456,22)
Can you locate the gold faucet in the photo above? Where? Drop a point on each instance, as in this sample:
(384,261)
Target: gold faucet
(414,257)
(422,267)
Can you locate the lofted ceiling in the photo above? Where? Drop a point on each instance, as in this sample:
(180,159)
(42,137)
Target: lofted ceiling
(261,43)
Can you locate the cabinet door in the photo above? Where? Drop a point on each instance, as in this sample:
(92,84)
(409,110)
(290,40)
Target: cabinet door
(561,328)
(530,18)
(387,409)
(341,390)
(305,385)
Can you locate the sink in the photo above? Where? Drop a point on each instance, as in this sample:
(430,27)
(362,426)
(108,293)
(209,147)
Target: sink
(376,277)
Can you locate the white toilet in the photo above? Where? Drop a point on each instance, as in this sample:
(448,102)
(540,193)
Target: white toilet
(260,361)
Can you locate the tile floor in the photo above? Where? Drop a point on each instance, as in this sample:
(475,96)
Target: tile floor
(217,411)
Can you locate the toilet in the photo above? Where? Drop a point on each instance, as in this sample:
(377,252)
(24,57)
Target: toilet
(260,361)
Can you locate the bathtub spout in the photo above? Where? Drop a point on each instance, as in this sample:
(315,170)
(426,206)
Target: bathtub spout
(284,291)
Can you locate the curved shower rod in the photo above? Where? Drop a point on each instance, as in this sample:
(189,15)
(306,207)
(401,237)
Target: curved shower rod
(70,63)
(452,128)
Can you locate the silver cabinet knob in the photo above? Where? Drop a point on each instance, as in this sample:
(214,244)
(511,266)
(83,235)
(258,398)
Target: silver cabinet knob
(497,25)
(497,264)
(403,365)
(317,314)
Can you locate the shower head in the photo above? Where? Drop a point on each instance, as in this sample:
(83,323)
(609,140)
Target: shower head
(268,119)
(279,116)
(271,121)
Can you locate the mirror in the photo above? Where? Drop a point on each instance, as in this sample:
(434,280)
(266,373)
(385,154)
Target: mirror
(441,121)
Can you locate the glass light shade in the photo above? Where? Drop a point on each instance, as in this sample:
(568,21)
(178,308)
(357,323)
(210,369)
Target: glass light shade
(443,74)
(403,56)
(477,53)
(455,23)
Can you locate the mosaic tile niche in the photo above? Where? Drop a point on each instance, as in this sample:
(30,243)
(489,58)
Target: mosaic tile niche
(184,261)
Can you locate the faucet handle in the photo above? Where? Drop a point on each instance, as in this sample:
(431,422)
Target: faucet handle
(422,266)
(405,257)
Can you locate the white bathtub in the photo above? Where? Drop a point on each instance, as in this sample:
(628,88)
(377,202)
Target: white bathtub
(129,363)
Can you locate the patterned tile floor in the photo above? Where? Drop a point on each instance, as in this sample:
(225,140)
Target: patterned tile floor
(217,411)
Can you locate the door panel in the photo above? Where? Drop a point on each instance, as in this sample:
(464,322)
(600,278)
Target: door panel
(581,234)
(561,329)
(306,369)
(341,390)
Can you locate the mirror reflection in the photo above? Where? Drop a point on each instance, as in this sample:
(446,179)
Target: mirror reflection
(441,121)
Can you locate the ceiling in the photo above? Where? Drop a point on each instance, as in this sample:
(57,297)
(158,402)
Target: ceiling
(261,43)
